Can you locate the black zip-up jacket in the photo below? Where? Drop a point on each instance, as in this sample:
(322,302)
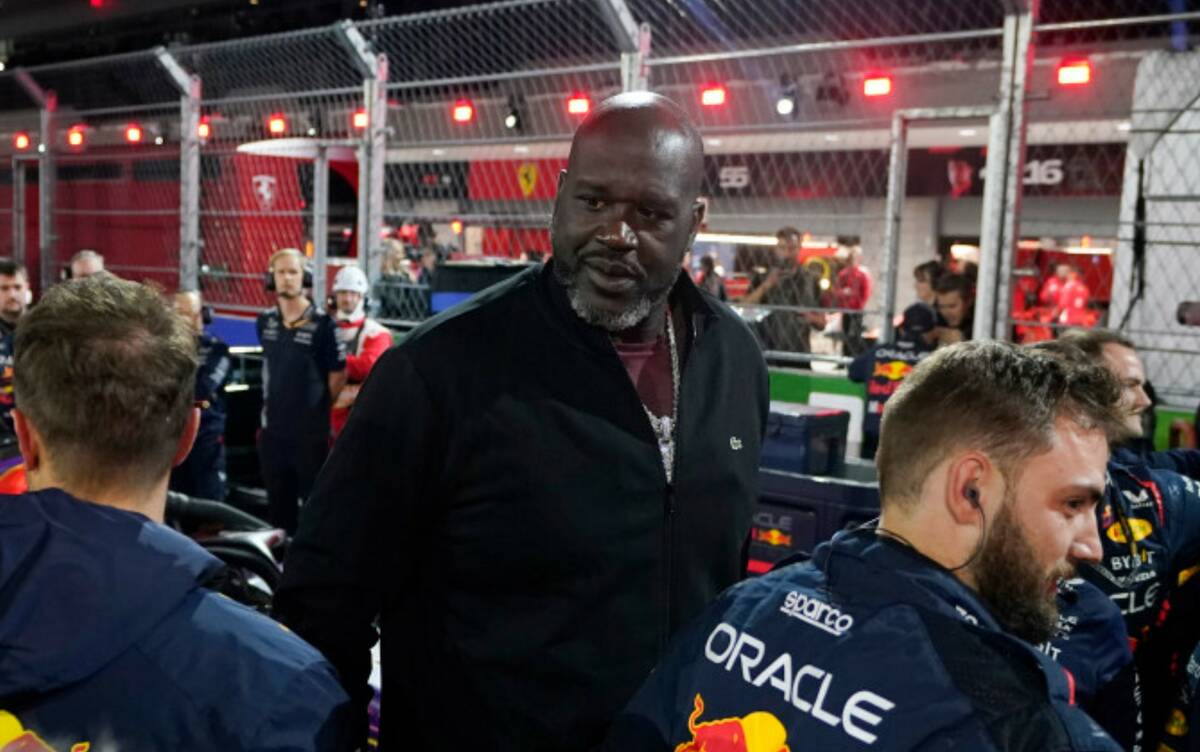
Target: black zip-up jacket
(498,498)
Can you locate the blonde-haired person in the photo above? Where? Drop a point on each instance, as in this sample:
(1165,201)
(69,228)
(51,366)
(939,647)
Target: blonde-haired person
(304,368)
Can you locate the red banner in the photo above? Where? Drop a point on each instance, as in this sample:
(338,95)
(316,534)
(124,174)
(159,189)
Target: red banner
(514,180)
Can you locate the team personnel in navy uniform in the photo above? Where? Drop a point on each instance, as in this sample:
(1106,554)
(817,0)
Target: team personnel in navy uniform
(538,488)
(1150,525)
(202,474)
(14,300)
(1090,643)
(917,633)
(883,367)
(304,368)
(112,638)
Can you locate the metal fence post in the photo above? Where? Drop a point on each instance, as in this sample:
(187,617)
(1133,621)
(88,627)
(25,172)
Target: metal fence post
(46,189)
(1000,223)
(189,169)
(377,132)
(635,74)
(372,152)
(894,209)
(18,209)
(320,220)
(632,39)
(47,102)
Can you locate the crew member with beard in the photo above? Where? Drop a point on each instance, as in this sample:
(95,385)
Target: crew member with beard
(538,487)
(1150,522)
(304,368)
(14,300)
(916,633)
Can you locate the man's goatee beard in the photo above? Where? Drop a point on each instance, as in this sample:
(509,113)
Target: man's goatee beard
(610,321)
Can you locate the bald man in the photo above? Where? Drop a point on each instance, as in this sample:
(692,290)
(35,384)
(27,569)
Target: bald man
(202,474)
(537,490)
(86,263)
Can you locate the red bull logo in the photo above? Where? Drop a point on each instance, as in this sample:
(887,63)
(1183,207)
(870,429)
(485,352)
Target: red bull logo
(757,732)
(894,370)
(16,738)
(771,536)
(1141,529)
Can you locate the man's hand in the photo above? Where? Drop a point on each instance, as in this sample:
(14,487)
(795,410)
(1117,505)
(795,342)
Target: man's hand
(756,295)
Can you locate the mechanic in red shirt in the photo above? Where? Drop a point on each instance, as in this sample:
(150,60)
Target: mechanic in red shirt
(853,290)
(365,339)
(1072,304)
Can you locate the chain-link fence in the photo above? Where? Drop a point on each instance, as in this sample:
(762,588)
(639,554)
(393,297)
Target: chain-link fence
(262,117)
(1105,214)
(884,133)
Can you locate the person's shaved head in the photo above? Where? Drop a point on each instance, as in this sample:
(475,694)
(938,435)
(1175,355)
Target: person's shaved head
(635,113)
(627,209)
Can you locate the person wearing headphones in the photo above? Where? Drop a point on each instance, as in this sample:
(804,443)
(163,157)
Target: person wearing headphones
(917,632)
(304,368)
(202,474)
(364,339)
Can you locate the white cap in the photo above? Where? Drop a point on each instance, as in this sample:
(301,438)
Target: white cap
(350,279)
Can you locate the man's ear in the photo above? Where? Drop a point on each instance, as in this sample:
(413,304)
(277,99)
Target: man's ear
(967,488)
(28,440)
(187,438)
(699,212)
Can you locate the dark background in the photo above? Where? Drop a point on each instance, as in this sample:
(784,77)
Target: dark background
(33,32)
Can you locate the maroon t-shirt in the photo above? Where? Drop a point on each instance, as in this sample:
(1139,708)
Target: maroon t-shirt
(649,366)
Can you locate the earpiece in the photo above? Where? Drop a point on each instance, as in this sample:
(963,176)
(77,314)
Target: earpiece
(972,495)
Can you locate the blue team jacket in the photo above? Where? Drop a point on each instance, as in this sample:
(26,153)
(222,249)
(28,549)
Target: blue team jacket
(108,641)
(869,645)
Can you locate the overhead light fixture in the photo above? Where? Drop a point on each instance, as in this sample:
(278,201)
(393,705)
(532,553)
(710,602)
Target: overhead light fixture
(877,86)
(133,133)
(713,96)
(464,111)
(578,104)
(277,124)
(514,118)
(785,105)
(1074,72)
(75,136)
(21,141)
(736,238)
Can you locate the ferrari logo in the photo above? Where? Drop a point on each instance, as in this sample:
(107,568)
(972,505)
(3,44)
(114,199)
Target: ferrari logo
(527,176)
(264,191)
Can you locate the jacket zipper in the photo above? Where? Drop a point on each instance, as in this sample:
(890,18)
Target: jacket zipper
(669,506)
